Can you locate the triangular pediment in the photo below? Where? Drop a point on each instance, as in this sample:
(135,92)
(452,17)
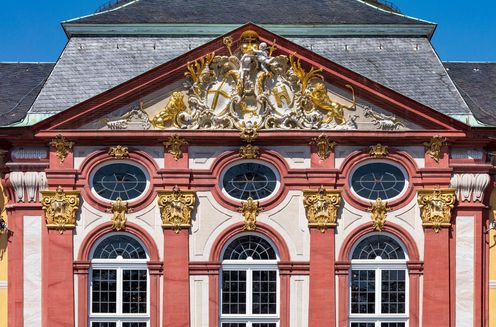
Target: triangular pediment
(250,78)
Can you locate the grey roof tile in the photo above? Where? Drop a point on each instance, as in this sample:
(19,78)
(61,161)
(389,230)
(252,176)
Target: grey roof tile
(243,11)
(476,82)
(20,83)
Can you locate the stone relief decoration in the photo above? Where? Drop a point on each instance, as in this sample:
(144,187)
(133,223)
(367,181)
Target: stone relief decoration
(119,208)
(119,152)
(173,146)
(324,146)
(379,151)
(382,121)
(433,147)
(175,208)
(321,207)
(250,209)
(378,211)
(470,187)
(249,151)
(27,185)
(136,115)
(60,208)
(62,146)
(23,153)
(435,207)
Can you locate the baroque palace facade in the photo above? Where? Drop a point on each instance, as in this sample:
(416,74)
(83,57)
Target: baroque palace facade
(180,166)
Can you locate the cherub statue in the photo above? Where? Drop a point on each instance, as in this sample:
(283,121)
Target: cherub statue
(263,57)
(335,111)
(170,112)
(119,210)
(250,210)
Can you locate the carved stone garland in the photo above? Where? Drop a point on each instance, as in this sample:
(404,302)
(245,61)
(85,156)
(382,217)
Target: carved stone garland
(175,208)
(435,207)
(119,209)
(321,207)
(250,210)
(60,208)
(378,210)
(62,146)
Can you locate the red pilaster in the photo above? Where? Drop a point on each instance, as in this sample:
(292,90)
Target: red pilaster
(322,306)
(436,295)
(15,269)
(81,269)
(176,278)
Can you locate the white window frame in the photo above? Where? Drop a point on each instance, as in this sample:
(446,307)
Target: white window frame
(378,265)
(119,265)
(249,265)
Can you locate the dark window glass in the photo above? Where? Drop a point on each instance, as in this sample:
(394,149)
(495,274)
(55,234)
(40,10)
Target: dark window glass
(378,246)
(119,180)
(134,291)
(119,245)
(249,246)
(103,324)
(362,291)
(249,180)
(362,324)
(236,324)
(393,324)
(234,292)
(378,180)
(264,292)
(134,324)
(104,282)
(393,291)
(264,325)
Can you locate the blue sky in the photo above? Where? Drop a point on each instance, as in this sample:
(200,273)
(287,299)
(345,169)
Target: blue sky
(30,29)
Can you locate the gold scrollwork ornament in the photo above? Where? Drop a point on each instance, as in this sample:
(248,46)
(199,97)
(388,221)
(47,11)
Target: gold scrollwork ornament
(174,144)
(60,208)
(435,207)
(176,207)
(250,209)
(379,151)
(378,210)
(118,152)
(249,151)
(62,146)
(119,209)
(321,207)
(324,146)
(433,147)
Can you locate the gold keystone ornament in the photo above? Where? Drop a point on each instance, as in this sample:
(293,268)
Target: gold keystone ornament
(60,208)
(250,209)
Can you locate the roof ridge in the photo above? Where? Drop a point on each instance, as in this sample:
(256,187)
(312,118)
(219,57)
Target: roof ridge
(396,13)
(27,62)
(101,12)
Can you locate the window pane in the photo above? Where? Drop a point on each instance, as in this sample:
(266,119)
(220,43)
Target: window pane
(249,246)
(119,180)
(103,324)
(393,291)
(264,292)
(234,324)
(362,291)
(264,325)
(103,291)
(249,180)
(119,245)
(134,324)
(362,324)
(234,292)
(378,180)
(134,291)
(381,246)
(393,324)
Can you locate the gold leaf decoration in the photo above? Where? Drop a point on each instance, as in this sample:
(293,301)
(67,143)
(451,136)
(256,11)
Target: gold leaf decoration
(433,147)
(249,152)
(321,207)
(119,152)
(435,207)
(174,144)
(60,208)
(62,146)
(250,210)
(248,132)
(304,76)
(324,146)
(169,114)
(175,208)
(379,151)
(378,210)
(119,209)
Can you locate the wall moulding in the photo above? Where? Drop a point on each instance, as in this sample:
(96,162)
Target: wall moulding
(470,187)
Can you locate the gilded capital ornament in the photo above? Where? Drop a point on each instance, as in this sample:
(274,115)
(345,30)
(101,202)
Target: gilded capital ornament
(433,147)
(321,207)
(249,151)
(324,146)
(60,208)
(119,209)
(118,152)
(435,207)
(175,208)
(62,146)
(379,151)
(378,210)
(174,144)
(250,209)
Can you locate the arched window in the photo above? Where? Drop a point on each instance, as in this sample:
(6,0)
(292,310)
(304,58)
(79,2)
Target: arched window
(119,283)
(249,283)
(378,283)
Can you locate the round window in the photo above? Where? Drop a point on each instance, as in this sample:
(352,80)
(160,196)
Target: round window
(378,180)
(119,180)
(249,179)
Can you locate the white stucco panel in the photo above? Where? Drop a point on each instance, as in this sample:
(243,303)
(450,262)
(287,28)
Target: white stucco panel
(465,278)
(199,301)
(82,152)
(299,300)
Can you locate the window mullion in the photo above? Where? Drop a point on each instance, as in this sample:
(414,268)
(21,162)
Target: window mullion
(119,291)
(249,292)
(378,291)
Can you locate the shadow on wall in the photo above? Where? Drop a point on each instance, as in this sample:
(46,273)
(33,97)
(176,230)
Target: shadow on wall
(4,236)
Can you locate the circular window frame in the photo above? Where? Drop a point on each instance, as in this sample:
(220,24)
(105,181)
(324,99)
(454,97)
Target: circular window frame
(276,172)
(110,162)
(403,170)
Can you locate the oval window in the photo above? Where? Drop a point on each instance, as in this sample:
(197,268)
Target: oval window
(249,179)
(119,180)
(378,180)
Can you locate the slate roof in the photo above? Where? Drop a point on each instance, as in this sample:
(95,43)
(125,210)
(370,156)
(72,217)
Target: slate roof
(476,82)
(243,11)
(90,66)
(20,83)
